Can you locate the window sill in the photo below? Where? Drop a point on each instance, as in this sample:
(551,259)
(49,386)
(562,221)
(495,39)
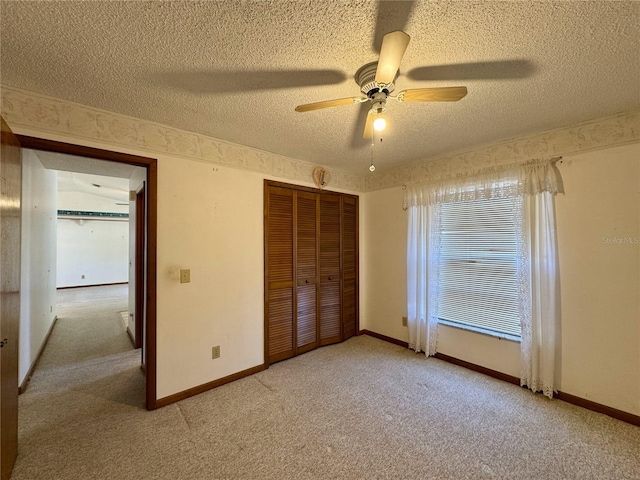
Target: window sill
(482,331)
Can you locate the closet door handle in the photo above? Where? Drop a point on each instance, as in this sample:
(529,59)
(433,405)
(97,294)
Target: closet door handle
(306,281)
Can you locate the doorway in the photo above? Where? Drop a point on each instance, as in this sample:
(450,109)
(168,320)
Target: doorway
(146,262)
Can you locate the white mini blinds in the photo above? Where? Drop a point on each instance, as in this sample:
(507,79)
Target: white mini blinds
(478,265)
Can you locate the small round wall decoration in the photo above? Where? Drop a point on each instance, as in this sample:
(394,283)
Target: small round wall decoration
(321,177)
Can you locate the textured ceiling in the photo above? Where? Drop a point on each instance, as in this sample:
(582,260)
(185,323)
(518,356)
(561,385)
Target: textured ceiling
(236,70)
(74,163)
(81,175)
(115,189)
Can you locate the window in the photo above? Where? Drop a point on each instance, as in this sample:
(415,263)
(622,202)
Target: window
(478,254)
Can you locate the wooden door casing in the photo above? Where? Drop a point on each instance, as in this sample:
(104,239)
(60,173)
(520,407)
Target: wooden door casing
(10,227)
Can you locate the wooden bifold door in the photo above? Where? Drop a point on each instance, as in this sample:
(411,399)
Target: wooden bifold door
(311,269)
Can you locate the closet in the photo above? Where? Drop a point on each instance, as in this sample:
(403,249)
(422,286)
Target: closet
(311,269)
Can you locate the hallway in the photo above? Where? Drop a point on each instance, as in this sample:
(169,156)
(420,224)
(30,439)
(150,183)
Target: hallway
(87,370)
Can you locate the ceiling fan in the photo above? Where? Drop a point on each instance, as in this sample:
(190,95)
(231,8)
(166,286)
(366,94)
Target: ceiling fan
(376,81)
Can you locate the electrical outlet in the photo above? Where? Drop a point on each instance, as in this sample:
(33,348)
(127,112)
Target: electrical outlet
(215,352)
(404,321)
(185,275)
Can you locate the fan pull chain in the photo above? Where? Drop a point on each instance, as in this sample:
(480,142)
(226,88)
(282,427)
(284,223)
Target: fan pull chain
(372,168)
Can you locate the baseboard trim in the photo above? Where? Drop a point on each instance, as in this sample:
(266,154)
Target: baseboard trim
(565,397)
(176,397)
(478,368)
(384,337)
(598,407)
(23,386)
(133,341)
(92,285)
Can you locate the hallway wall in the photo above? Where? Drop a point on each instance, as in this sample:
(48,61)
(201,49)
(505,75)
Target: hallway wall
(38,257)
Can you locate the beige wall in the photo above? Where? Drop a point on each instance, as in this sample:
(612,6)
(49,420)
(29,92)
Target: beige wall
(210,221)
(600,278)
(600,281)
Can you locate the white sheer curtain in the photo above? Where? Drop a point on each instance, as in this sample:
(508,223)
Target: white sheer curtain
(540,321)
(422,248)
(537,182)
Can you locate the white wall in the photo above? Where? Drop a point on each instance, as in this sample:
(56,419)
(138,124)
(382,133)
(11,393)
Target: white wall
(38,257)
(92,252)
(86,202)
(600,282)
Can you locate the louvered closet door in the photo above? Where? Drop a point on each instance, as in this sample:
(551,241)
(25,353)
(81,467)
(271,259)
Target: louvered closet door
(330,281)
(280,274)
(349,267)
(307,271)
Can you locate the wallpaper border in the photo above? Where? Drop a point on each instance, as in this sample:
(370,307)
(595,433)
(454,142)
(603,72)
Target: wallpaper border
(42,112)
(604,132)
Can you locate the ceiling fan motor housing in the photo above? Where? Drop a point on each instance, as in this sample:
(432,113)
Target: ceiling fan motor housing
(365,77)
(379,101)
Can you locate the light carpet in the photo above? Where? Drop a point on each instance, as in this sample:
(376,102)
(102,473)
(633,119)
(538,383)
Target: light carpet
(363,409)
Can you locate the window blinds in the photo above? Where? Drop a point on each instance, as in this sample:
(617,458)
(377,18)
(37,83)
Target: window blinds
(478,265)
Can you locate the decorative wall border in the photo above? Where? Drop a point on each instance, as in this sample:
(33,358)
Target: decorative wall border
(29,109)
(605,132)
(42,112)
(91,214)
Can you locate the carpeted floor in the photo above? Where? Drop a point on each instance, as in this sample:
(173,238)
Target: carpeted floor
(363,409)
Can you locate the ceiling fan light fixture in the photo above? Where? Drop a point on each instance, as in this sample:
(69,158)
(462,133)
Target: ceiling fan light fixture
(379,124)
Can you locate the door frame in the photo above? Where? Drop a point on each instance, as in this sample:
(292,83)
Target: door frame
(140,235)
(151,165)
(11,216)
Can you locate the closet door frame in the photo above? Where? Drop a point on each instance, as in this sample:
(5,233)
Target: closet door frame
(267,184)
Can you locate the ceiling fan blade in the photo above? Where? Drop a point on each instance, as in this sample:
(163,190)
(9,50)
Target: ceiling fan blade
(391,16)
(368,126)
(394,45)
(329,103)
(438,94)
(357,140)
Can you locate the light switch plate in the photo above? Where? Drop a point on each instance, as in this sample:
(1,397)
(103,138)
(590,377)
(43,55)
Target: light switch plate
(185,275)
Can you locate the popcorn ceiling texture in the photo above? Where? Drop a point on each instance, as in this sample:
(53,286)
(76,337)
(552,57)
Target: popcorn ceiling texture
(234,71)
(27,109)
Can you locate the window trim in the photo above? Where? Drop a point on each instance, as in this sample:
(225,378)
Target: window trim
(482,331)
